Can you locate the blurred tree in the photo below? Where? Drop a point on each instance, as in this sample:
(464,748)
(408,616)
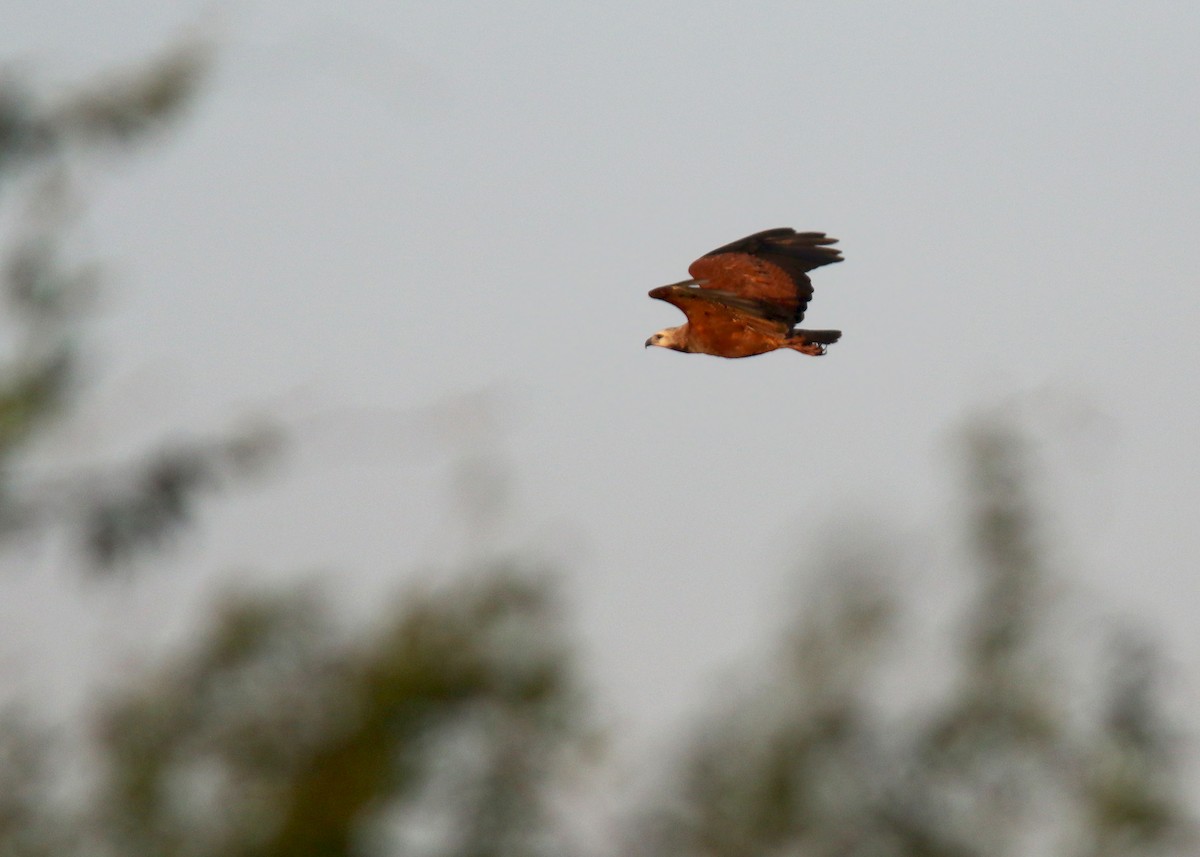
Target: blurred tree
(111,515)
(1014,759)
(448,727)
(279,736)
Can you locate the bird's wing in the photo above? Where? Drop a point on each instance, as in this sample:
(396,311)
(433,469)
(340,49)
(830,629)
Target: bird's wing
(708,308)
(768,268)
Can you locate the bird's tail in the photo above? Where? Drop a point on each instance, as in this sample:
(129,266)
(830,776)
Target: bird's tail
(812,341)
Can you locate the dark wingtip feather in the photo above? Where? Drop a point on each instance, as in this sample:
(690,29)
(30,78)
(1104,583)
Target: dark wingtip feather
(810,247)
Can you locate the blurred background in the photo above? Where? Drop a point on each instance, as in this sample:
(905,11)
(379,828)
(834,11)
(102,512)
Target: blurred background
(344,511)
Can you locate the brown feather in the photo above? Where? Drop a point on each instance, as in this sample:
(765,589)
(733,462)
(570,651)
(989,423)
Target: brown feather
(766,288)
(746,297)
(771,267)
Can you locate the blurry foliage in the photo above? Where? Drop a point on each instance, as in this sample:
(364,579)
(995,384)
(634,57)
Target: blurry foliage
(110,515)
(1003,763)
(120,108)
(120,520)
(446,727)
(282,735)
(450,724)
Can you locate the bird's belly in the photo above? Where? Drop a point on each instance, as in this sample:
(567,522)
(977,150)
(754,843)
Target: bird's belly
(732,342)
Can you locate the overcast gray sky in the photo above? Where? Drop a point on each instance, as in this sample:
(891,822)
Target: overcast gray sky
(422,232)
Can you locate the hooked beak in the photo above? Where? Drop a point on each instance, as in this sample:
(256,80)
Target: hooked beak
(648,341)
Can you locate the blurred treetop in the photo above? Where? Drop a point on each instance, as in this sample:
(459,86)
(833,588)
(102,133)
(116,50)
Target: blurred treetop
(111,515)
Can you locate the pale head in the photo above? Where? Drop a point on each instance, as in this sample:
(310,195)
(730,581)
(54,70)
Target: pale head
(670,337)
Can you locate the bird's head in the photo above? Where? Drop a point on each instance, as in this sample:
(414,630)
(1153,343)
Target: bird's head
(671,337)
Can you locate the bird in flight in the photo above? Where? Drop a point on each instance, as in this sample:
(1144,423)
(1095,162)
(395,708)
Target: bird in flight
(747,297)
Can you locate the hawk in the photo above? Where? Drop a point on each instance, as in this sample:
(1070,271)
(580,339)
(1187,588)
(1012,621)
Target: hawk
(747,297)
